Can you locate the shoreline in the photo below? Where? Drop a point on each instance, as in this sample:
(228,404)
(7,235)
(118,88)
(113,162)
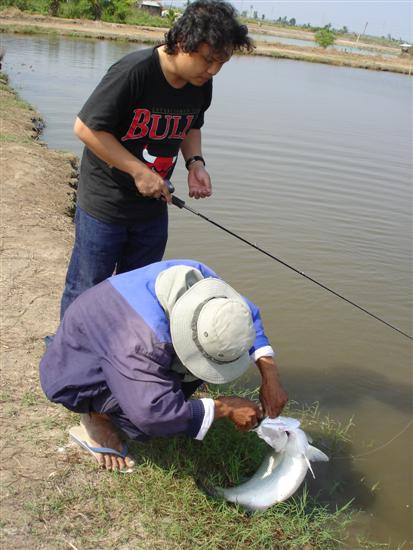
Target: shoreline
(37,237)
(14,21)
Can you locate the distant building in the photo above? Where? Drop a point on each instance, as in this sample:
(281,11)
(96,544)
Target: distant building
(151,6)
(405,47)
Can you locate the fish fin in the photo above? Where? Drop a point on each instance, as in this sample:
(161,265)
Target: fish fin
(309,466)
(315,455)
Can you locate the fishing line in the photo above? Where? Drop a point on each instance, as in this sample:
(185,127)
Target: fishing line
(377,448)
(181,204)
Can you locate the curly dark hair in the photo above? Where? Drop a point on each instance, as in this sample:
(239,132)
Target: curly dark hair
(212,22)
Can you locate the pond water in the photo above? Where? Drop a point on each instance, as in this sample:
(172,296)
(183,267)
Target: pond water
(311,44)
(313,163)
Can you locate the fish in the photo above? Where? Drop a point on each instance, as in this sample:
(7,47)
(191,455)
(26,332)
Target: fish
(283,469)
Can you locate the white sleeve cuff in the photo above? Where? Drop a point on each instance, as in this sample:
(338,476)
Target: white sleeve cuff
(209,415)
(265,351)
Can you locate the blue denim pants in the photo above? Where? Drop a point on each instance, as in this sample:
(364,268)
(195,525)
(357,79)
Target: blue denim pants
(102,248)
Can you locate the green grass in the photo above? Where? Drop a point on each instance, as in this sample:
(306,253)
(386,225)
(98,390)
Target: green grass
(11,97)
(162,502)
(29,399)
(4,138)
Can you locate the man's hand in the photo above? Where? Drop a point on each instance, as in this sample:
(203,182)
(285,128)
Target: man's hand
(151,184)
(245,414)
(199,182)
(273,397)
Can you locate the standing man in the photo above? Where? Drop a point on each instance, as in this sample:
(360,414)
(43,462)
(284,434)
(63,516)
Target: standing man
(130,352)
(148,107)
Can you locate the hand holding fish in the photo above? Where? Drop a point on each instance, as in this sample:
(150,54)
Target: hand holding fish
(273,397)
(245,414)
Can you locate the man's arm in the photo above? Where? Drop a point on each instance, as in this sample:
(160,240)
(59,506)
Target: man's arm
(273,397)
(199,182)
(105,146)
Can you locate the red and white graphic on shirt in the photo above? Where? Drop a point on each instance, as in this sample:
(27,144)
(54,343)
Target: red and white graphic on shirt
(162,165)
(145,124)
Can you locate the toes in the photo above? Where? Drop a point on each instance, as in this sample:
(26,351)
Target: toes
(129,462)
(114,461)
(108,462)
(101,460)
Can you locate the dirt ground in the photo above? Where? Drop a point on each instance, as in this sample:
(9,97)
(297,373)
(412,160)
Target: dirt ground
(36,239)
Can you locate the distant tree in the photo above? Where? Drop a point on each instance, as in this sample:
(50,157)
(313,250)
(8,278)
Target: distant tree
(255,15)
(171,16)
(292,22)
(115,10)
(263,16)
(325,37)
(244,13)
(96,8)
(54,7)
(344,30)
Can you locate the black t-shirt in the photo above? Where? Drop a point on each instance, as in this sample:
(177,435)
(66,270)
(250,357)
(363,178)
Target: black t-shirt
(136,104)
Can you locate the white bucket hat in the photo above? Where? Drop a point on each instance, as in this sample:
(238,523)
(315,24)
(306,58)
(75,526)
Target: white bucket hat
(211,328)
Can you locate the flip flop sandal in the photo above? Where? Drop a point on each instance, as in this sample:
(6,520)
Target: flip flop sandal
(77,434)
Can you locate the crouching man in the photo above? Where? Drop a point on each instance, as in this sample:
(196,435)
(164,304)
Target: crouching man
(131,351)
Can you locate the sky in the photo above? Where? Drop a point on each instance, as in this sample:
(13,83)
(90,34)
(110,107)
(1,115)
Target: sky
(383,16)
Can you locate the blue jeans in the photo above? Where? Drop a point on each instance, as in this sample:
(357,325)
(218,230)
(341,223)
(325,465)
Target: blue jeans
(100,248)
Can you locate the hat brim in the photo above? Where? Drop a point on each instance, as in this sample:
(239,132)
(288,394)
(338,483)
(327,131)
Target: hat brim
(181,333)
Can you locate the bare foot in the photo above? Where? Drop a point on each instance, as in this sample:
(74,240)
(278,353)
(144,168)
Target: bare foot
(100,432)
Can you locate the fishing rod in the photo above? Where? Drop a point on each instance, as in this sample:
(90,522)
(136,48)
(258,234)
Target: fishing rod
(176,201)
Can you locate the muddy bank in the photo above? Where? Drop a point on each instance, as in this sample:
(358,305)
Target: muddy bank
(14,21)
(36,241)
